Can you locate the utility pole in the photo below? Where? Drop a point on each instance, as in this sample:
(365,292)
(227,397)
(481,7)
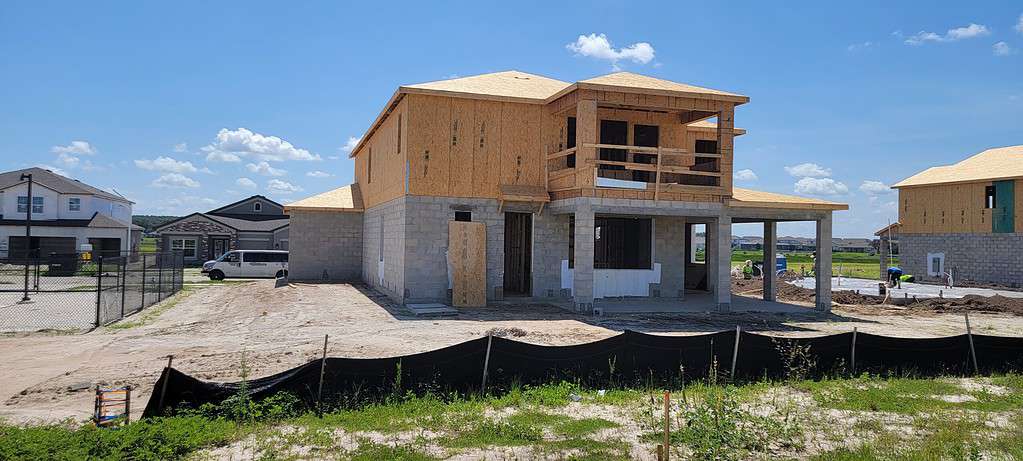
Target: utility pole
(28,231)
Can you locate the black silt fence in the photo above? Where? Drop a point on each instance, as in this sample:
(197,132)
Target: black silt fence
(630,358)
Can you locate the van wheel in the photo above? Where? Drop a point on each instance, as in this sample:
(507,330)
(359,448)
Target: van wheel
(216,274)
(281,274)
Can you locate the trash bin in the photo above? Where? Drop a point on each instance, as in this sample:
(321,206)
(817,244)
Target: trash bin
(62,265)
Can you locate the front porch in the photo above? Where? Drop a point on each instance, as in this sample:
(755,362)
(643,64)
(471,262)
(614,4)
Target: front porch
(634,255)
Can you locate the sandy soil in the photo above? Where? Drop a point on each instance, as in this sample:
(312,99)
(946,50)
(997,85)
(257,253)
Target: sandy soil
(213,330)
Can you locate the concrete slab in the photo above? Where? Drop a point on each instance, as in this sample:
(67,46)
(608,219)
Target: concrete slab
(431,309)
(693,303)
(920,290)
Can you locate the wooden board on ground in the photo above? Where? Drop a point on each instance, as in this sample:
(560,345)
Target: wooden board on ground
(467,258)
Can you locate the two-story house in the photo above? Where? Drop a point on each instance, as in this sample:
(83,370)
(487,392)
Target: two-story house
(962,219)
(253,223)
(66,214)
(586,191)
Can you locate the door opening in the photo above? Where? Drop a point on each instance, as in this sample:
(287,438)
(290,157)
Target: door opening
(518,249)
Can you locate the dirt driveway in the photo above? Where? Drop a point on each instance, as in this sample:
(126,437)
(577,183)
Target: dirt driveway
(212,331)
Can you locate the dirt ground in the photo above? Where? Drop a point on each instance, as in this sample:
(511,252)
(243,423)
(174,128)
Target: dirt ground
(212,331)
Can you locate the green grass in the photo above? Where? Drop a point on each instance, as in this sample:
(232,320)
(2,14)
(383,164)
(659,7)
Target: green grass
(894,418)
(912,396)
(854,265)
(147,245)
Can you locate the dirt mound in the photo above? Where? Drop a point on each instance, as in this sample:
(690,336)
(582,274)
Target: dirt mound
(977,303)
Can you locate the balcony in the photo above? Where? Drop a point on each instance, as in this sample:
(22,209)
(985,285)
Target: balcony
(653,170)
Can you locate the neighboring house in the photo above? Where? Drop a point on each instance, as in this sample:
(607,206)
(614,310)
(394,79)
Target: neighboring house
(254,223)
(748,243)
(586,190)
(66,214)
(853,245)
(795,244)
(962,218)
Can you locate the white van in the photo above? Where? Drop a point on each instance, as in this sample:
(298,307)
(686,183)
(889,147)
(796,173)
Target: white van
(248,264)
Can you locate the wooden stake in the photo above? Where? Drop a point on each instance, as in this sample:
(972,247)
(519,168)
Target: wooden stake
(969,336)
(854,351)
(660,452)
(486,363)
(735,351)
(166,377)
(667,425)
(323,368)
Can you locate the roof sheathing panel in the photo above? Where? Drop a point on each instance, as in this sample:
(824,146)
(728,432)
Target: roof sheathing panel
(989,165)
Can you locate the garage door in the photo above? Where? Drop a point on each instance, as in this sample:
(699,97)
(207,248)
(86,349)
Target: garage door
(254,244)
(45,245)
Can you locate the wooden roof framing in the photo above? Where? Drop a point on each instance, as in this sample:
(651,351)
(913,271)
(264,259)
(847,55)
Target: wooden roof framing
(989,165)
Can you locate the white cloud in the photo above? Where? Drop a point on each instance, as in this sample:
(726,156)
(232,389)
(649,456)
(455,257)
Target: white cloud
(745,175)
(75,148)
(68,160)
(166,164)
(350,144)
(960,33)
(246,183)
(859,46)
(1002,49)
(1019,24)
(808,170)
(318,174)
(281,187)
(181,147)
(175,180)
(231,145)
(874,187)
(820,186)
(265,169)
(597,46)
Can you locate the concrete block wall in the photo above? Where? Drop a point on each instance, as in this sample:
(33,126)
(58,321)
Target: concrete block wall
(669,252)
(550,247)
(329,248)
(384,232)
(990,258)
(426,230)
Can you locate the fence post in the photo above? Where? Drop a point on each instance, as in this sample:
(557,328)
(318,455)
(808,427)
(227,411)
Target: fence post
(143,305)
(124,281)
(667,426)
(323,368)
(99,288)
(486,363)
(159,277)
(973,352)
(735,351)
(853,359)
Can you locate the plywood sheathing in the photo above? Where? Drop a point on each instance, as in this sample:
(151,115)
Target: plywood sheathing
(345,199)
(989,165)
(389,161)
(747,198)
(467,259)
(945,208)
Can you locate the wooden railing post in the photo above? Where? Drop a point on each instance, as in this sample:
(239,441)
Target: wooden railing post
(657,176)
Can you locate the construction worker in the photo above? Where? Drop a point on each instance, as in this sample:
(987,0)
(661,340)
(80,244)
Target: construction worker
(895,277)
(747,270)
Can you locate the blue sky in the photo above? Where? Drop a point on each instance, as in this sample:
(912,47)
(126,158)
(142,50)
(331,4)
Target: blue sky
(122,95)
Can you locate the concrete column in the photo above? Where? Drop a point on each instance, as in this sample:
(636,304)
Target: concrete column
(582,281)
(710,252)
(770,255)
(723,263)
(822,268)
(882,252)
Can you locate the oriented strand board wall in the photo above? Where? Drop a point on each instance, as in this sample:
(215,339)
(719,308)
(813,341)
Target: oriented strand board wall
(944,209)
(388,181)
(468,148)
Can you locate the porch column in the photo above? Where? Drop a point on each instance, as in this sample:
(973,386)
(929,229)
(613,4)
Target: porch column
(582,278)
(585,133)
(822,268)
(723,263)
(770,255)
(882,252)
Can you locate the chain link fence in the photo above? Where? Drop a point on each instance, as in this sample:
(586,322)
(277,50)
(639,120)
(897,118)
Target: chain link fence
(78,292)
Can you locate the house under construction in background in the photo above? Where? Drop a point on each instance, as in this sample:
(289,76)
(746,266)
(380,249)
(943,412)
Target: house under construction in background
(511,184)
(961,219)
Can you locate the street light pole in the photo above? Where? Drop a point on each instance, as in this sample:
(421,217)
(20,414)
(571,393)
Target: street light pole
(28,231)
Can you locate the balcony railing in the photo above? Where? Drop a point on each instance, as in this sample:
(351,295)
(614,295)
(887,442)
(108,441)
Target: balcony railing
(661,168)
